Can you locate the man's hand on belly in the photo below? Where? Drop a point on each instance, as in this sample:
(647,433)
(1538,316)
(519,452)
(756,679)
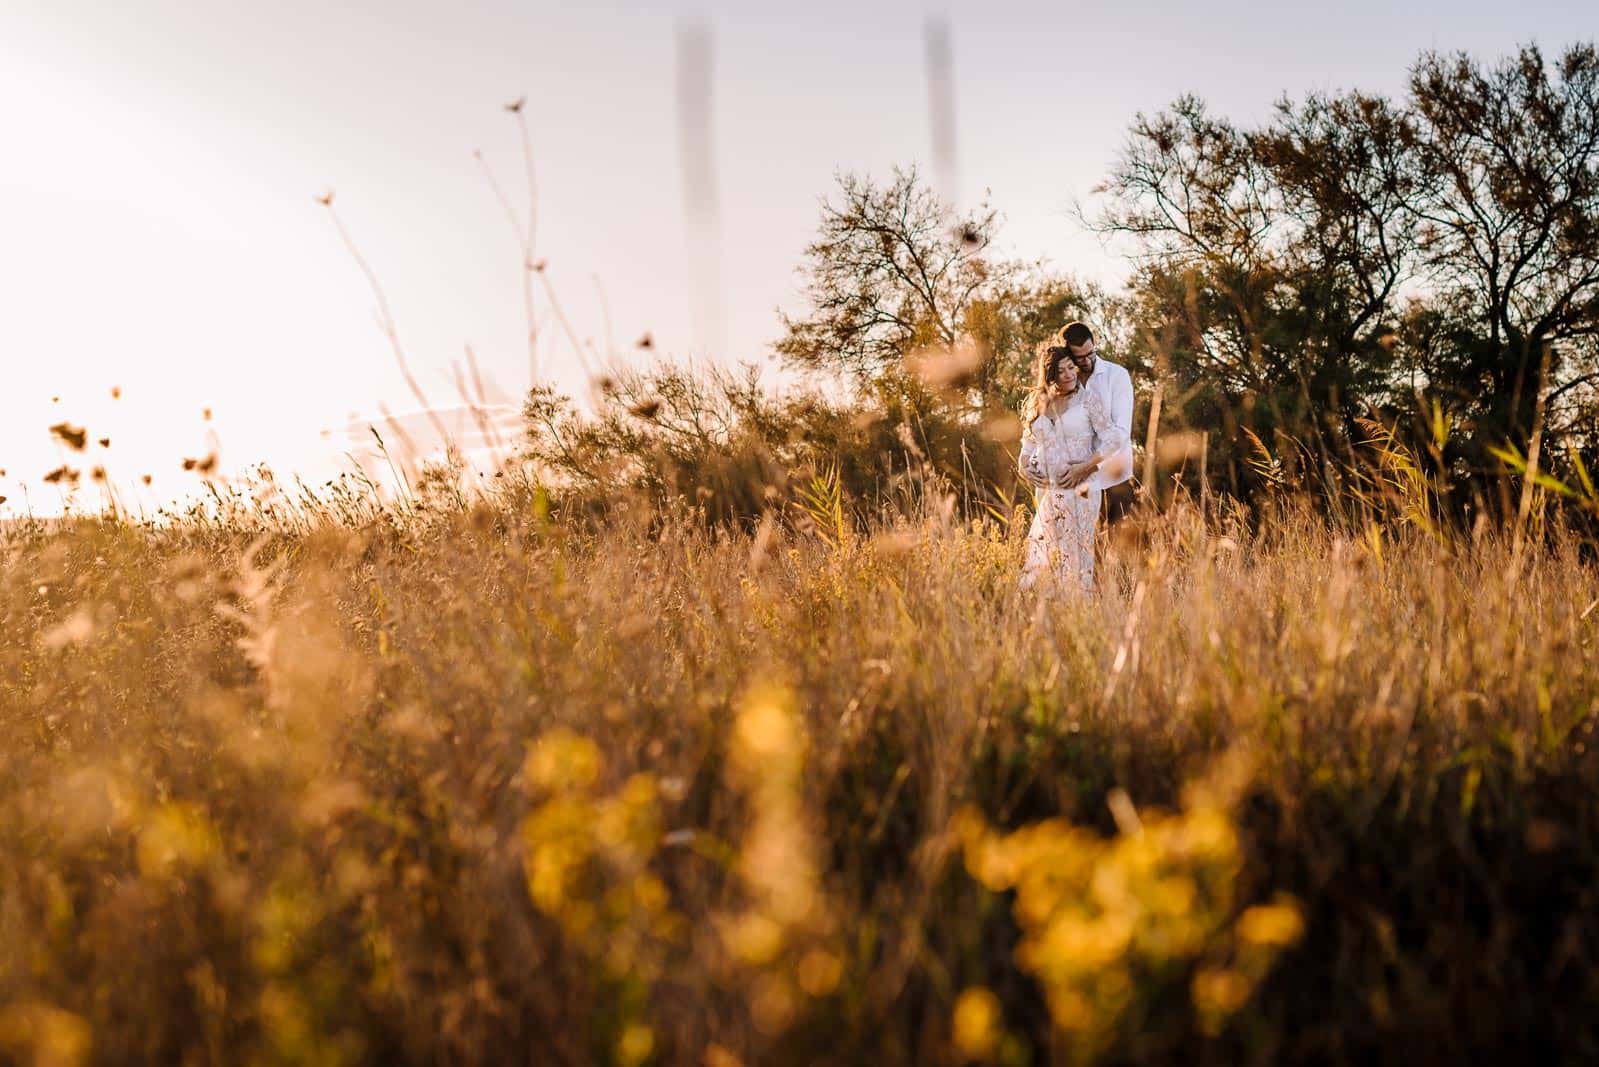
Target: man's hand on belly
(1078,474)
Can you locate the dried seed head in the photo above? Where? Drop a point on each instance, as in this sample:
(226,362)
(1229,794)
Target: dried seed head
(1002,427)
(1178,448)
(74,437)
(953,369)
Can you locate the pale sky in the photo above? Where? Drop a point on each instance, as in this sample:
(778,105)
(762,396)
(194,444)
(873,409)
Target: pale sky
(160,163)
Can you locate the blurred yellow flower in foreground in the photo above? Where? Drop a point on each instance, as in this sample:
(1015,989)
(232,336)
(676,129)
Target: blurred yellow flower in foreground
(586,858)
(783,937)
(976,1028)
(174,837)
(44,1035)
(1103,919)
(562,760)
(1274,925)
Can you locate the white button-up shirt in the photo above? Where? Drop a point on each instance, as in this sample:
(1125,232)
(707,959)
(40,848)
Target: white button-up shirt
(1114,387)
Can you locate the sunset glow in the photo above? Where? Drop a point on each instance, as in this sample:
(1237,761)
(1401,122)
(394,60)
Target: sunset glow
(162,233)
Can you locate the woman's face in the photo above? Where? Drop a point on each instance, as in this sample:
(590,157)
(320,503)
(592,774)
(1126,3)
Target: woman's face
(1065,376)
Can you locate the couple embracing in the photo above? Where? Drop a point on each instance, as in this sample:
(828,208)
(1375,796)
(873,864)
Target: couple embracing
(1076,443)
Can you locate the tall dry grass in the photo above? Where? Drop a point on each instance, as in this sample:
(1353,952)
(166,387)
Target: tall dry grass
(471,784)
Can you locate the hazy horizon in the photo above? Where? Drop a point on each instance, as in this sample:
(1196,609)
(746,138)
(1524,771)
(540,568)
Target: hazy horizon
(163,235)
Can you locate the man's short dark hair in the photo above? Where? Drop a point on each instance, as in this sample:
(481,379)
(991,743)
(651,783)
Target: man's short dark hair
(1076,334)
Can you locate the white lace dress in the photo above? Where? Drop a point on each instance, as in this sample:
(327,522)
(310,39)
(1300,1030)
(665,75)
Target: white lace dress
(1060,542)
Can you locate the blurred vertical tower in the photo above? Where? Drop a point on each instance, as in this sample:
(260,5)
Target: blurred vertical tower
(941,108)
(701,206)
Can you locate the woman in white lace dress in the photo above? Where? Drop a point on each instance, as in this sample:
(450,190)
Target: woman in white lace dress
(1067,433)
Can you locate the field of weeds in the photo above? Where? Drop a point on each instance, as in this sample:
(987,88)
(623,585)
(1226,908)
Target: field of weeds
(480,785)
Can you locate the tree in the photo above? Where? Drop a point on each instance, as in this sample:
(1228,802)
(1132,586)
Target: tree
(1344,188)
(1351,251)
(1510,216)
(1008,322)
(891,271)
(1269,261)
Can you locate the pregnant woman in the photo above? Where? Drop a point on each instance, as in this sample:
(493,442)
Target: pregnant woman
(1068,434)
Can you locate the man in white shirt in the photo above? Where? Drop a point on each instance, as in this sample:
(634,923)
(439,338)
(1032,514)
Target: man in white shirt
(1114,387)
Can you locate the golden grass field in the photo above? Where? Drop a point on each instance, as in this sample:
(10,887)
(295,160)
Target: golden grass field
(474,783)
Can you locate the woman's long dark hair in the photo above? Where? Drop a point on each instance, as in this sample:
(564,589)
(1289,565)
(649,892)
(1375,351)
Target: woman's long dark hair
(1046,371)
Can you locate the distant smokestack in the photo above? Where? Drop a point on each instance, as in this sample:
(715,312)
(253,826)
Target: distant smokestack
(701,208)
(941,107)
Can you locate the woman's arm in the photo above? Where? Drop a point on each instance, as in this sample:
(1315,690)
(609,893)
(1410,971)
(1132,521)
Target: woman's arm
(1031,461)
